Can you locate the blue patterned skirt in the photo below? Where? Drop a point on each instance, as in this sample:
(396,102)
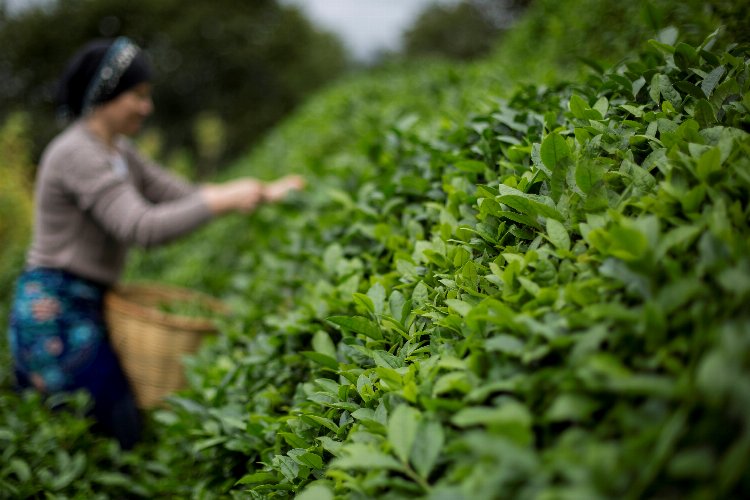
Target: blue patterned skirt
(59,342)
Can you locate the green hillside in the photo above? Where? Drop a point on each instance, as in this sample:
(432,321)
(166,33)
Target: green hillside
(521,278)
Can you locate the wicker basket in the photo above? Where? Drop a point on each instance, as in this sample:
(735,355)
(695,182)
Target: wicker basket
(150,342)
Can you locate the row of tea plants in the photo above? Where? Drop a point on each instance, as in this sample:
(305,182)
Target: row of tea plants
(496,284)
(548,300)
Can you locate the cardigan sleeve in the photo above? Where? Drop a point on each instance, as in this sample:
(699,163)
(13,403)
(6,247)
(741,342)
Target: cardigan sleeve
(154,182)
(123,211)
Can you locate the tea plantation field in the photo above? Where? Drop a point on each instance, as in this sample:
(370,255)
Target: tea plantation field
(525,277)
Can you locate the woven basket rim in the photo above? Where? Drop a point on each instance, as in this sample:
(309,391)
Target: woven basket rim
(118,302)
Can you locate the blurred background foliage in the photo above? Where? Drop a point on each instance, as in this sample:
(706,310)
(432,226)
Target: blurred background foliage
(228,72)
(461,31)
(225,72)
(15,212)
(245,63)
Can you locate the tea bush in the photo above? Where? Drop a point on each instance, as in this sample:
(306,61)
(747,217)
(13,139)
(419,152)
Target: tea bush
(544,301)
(494,286)
(48,450)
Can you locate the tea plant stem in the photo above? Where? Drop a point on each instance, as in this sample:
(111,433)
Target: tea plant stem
(416,477)
(670,435)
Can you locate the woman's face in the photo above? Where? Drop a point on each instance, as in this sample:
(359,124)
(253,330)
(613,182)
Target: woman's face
(125,113)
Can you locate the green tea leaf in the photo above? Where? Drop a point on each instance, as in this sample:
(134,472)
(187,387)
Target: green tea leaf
(468,276)
(121,480)
(20,468)
(602,106)
(322,359)
(558,235)
(326,385)
(715,375)
(365,301)
(208,443)
(667,90)
(491,310)
(365,414)
(506,344)
(588,174)
(734,463)
(320,421)
(390,379)
(668,35)
(666,48)
(529,285)
(365,457)
(471,166)
(654,90)
(704,113)
(690,89)
(529,204)
(315,491)
(712,80)
(729,89)
(403,426)
(638,85)
(536,159)
(633,110)
(582,110)
(306,458)
(330,445)
(454,381)
(287,466)
(396,304)
(681,237)
(323,344)
(377,295)
(420,294)
(708,163)
(387,360)
(554,150)
(293,440)
(623,242)
(461,307)
(571,408)
(508,413)
(685,56)
(258,477)
(427,447)
(357,324)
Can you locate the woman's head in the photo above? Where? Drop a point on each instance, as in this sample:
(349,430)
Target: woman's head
(100,72)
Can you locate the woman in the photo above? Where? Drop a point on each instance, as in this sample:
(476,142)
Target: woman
(96,196)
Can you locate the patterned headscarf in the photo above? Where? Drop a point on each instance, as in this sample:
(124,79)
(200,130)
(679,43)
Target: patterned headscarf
(98,73)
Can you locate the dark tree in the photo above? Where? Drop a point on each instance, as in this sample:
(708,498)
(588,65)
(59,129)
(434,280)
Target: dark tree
(464,31)
(249,63)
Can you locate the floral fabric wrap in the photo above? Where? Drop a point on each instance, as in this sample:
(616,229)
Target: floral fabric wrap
(57,330)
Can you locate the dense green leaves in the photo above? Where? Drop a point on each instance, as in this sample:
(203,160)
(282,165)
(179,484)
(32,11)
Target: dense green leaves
(210,61)
(528,306)
(543,296)
(554,150)
(63,456)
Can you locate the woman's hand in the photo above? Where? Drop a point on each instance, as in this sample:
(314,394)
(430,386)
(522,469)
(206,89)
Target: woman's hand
(245,194)
(280,188)
(241,195)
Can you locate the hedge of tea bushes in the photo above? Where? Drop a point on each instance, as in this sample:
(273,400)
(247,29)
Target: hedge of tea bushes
(523,277)
(544,300)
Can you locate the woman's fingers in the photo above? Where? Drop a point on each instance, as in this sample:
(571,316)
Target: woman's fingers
(242,195)
(245,194)
(248,194)
(278,189)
